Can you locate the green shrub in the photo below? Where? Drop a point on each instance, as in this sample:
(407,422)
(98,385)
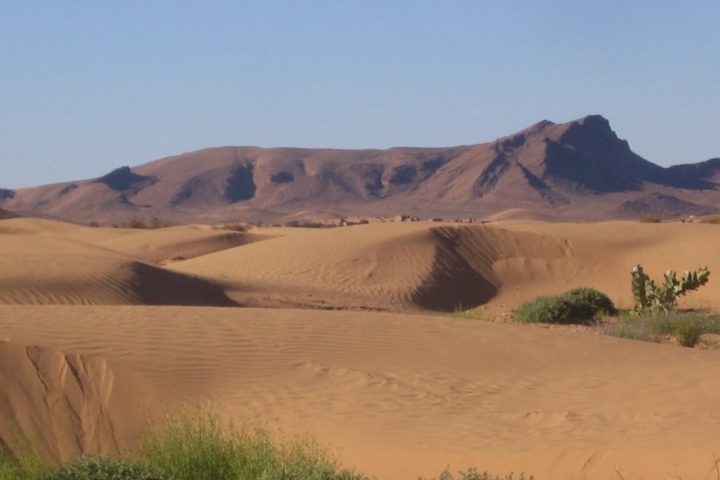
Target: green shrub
(545,310)
(26,464)
(102,468)
(578,306)
(590,303)
(688,334)
(198,447)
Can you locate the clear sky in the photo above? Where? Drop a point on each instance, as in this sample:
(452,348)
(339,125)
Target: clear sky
(86,87)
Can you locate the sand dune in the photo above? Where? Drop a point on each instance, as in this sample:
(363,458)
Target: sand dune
(57,228)
(425,266)
(377,266)
(46,269)
(394,266)
(149,245)
(601,255)
(67,404)
(176,243)
(395,394)
(400,395)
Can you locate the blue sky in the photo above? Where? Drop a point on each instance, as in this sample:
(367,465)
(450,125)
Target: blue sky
(90,86)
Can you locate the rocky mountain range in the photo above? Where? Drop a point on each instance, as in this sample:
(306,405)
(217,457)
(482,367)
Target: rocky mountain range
(579,170)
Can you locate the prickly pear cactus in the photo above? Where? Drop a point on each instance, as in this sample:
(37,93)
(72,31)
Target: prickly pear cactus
(640,288)
(694,280)
(649,296)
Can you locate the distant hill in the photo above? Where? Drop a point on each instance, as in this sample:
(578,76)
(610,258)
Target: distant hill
(574,170)
(5,214)
(661,205)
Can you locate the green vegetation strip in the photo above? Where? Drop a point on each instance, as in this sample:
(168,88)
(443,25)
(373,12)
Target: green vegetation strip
(199,447)
(686,327)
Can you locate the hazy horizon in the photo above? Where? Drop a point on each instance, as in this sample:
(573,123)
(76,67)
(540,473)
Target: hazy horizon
(88,88)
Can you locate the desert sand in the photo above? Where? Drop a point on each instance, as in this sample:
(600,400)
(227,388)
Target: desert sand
(103,329)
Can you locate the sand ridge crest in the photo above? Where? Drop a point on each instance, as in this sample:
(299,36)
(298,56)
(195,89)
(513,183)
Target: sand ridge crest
(402,267)
(46,268)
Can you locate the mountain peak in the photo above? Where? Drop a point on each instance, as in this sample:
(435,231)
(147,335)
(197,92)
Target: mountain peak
(594,119)
(592,132)
(588,126)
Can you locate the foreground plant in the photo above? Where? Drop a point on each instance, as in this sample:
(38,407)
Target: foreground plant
(650,296)
(577,306)
(99,467)
(199,447)
(27,463)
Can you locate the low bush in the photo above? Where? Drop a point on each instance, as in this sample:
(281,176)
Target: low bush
(582,306)
(26,464)
(688,334)
(198,447)
(99,467)
(589,302)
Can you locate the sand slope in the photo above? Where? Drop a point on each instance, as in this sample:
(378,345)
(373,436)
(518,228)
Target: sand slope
(602,256)
(377,266)
(383,266)
(43,268)
(396,395)
(176,243)
(66,404)
(445,267)
(149,245)
(400,395)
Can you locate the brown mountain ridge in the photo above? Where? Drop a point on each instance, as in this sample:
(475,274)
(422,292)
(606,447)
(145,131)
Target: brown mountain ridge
(575,170)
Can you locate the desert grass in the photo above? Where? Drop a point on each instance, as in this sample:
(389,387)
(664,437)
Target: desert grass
(474,474)
(468,313)
(685,326)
